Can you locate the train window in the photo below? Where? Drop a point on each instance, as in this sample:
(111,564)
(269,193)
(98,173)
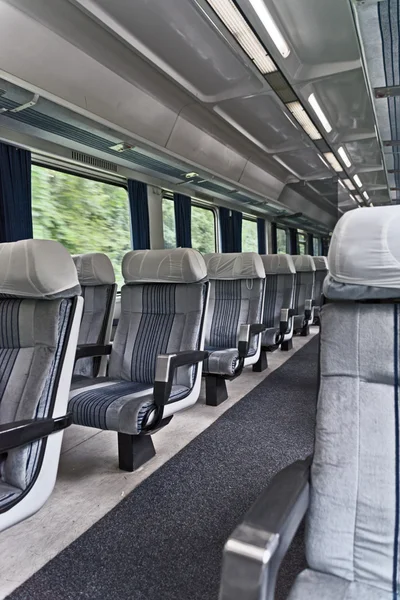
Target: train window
(85,215)
(249,236)
(301,243)
(169,230)
(316,246)
(281,240)
(203,229)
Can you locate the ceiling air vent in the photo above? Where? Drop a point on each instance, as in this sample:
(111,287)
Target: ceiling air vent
(93,161)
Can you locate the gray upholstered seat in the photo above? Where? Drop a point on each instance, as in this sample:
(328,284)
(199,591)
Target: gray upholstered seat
(236,298)
(304,293)
(163,303)
(279,293)
(40,312)
(97,279)
(321,271)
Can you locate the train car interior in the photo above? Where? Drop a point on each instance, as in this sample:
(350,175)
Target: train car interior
(199,300)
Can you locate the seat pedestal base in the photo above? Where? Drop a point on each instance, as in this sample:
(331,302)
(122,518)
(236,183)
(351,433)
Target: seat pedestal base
(262,363)
(287,345)
(216,391)
(305,330)
(134,451)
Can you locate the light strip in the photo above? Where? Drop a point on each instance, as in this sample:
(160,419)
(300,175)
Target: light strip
(344,157)
(333,161)
(304,120)
(359,199)
(319,112)
(342,184)
(281,162)
(349,184)
(272,29)
(358,181)
(239,28)
(352,197)
(366,195)
(323,160)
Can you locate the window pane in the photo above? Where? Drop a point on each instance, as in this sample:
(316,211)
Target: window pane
(316,246)
(83,214)
(281,236)
(301,243)
(203,229)
(168,223)
(249,236)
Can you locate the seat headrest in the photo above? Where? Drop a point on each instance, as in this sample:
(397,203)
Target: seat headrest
(37,269)
(176,265)
(278,264)
(235,265)
(364,255)
(303,263)
(321,263)
(94,269)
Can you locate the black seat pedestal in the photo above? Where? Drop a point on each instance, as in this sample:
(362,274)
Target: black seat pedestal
(216,391)
(262,362)
(134,451)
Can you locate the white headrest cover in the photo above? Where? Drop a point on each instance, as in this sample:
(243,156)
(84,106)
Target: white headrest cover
(303,263)
(177,265)
(37,269)
(365,248)
(278,264)
(321,263)
(94,269)
(235,265)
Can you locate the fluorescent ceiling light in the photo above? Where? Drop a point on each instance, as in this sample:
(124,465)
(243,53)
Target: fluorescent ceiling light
(349,184)
(341,183)
(234,21)
(344,157)
(352,197)
(359,199)
(319,112)
(272,29)
(357,180)
(333,161)
(366,195)
(304,120)
(323,160)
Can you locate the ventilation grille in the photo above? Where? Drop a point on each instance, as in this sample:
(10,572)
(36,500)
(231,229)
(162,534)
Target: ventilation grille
(93,161)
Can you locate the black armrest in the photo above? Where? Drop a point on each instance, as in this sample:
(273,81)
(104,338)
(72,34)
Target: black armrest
(286,315)
(245,333)
(19,433)
(165,370)
(254,552)
(92,350)
(308,309)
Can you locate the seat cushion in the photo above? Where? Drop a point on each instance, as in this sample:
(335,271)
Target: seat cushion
(222,361)
(107,403)
(312,585)
(269,336)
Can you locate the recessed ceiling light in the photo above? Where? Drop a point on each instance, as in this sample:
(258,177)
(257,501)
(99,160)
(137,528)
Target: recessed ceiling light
(304,120)
(359,199)
(349,184)
(333,161)
(344,157)
(357,180)
(272,29)
(191,175)
(319,112)
(366,195)
(234,21)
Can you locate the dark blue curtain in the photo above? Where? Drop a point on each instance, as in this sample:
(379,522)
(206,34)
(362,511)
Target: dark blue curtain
(262,241)
(15,194)
(325,246)
(231,230)
(293,247)
(274,241)
(183,220)
(139,214)
(310,244)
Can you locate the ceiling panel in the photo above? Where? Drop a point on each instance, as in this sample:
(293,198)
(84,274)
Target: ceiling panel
(365,154)
(374,178)
(304,164)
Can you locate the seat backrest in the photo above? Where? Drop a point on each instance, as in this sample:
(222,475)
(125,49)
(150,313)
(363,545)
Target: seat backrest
(353,521)
(305,277)
(321,271)
(97,279)
(279,286)
(236,297)
(162,308)
(40,312)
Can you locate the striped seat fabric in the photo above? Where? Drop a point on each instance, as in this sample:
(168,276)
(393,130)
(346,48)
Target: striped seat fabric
(97,279)
(236,295)
(321,271)
(279,292)
(158,316)
(304,290)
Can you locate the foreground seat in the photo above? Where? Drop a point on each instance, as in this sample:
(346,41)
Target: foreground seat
(234,319)
(304,293)
(97,279)
(278,304)
(40,313)
(351,485)
(159,339)
(321,271)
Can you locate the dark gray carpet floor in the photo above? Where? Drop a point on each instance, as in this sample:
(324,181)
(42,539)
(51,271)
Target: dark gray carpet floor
(164,541)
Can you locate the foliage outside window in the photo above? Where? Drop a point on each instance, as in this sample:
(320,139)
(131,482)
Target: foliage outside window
(301,243)
(316,246)
(168,216)
(281,240)
(82,214)
(249,236)
(203,229)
